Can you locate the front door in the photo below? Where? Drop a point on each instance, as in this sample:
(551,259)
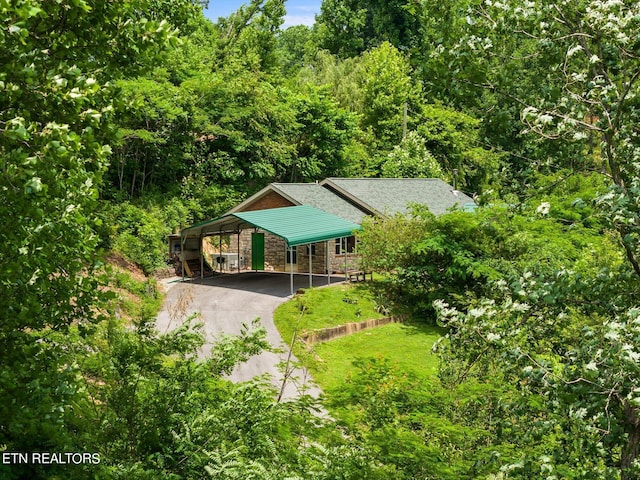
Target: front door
(257,251)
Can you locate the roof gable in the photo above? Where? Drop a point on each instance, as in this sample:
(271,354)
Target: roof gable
(268,197)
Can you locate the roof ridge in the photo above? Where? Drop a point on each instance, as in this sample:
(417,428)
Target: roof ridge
(294,183)
(386,178)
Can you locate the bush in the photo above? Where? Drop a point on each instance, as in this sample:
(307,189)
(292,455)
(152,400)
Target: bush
(139,231)
(456,255)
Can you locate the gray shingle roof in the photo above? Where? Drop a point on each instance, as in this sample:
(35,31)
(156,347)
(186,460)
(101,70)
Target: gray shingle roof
(319,197)
(388,196)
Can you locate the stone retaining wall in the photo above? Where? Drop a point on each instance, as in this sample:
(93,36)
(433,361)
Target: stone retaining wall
(326,334)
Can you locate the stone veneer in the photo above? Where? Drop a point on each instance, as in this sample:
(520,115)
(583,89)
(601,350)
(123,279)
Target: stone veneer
(275,254)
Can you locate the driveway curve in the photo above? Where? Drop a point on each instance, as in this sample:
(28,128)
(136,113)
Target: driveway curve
(225,302)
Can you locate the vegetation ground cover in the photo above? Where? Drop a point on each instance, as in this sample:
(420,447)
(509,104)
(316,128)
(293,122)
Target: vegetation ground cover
(326,307)
(407,345)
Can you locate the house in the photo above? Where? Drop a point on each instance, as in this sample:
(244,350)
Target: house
(308,227)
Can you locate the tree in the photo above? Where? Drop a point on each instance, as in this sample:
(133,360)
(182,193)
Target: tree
(294,46)
(387,87)
(349,27)
(249,34)
(244,122)
(156,134)
(339,27)
(590,48)
(322,136)
(455,140)
(573,363)
(58,62)
(411,159)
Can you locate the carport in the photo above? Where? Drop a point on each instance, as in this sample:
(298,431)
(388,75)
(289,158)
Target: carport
(297,226)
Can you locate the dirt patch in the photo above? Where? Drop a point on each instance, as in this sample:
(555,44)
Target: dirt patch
(118,261)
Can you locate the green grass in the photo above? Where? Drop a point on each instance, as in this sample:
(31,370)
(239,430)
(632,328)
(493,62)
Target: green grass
(325,307)
(408,345)
(331,363)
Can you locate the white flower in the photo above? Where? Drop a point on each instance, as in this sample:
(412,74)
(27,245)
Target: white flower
(580,413)
(573,50)
(543,208)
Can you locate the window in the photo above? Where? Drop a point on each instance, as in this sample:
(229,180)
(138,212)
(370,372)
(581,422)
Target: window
(345,244)
(311,247)
(292,253)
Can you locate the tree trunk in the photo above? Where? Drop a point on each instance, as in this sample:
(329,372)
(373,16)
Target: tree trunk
(630,450)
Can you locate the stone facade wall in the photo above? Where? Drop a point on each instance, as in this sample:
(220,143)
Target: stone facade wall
(274,251)
(318,259)
(339,260)
(275,254)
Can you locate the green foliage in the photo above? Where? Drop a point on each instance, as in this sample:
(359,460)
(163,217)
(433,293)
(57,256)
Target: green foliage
(348,27)
(156,136)
(569,196)
(414,427)
(249,34)
(376,86)
(454,256)
(411,159)
(246,123)
(295,45)
(324,132)
(386,85)
(133,298)
(57,65)
(152,406)
(340,27)
(549,337)
(385,243)
(343,76)
(139,231)
(454,138)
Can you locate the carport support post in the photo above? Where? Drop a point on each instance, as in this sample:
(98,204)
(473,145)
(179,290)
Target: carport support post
(326,260)
(220,253)
(238,251)
(346,258)
(183,241)
(291,268)
(309,250)
(201,257)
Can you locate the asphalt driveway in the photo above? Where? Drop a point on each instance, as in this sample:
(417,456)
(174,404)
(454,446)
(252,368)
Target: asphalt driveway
(226,302)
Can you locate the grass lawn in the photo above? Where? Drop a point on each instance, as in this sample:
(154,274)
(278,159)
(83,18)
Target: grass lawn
(325,307)
(408,345)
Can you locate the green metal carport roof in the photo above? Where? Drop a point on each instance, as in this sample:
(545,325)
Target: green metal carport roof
(298,225)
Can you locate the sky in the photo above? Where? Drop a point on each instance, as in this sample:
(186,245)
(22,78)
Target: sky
(299,12)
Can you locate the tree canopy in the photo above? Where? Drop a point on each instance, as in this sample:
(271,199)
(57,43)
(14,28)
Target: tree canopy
(121,122)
